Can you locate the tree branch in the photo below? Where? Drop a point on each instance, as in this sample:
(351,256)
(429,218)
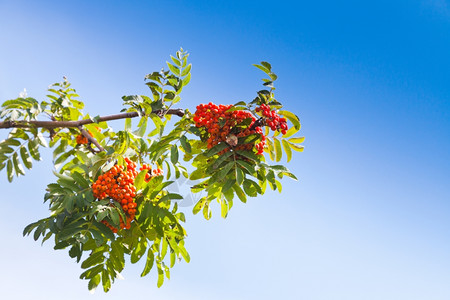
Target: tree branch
(90,139)
(66,124)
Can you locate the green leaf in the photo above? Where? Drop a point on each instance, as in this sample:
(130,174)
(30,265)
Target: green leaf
(164,247)
(197,174)
(228,184)
(104,230)
(256,186)
(33,148)
(98,237)
(137,252)
(149,263)
(240,193)
(249,138)
(216,149)
(106,281)
(170,196)
(229,196)
(140,179)
(278,151)
(114,216)
(225,170)
(174,154)
(186,79)
(62,176)
(176,61)
(186,71)
(94,282)
(296,148)
(17,165)
(220,160)
(287,149)
(69,233)
(6,149)
(266,65)
(249,155)
(9,171)
(39,230)
(80,180)
(262,68)
(93,259)
(174,69)
(117,255)
(249,188)
(11,142)
(289,174)
(270,148)
(160,277)
(68,203)
(27,230)
(239,176)
(223,208)
(183,252)
(173,245)
(236,107)
(70,184)
(199,205)
(273,76)
(249,168)
(185,144)
(297,140)
(91,272)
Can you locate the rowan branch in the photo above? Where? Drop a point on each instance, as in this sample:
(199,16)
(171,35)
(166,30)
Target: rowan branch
(68,124)
(91,140)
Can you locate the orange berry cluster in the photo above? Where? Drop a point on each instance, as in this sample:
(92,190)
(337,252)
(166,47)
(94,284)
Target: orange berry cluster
(272,119)
(223,126)
(118,185)
(151,173)
(81,139)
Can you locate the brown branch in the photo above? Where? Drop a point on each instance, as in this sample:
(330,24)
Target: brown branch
(90,139)
(67,124)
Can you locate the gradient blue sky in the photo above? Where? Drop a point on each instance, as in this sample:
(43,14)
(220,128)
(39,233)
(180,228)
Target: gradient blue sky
(369,217)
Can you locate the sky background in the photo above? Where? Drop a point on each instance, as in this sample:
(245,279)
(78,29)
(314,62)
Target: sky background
(370,81)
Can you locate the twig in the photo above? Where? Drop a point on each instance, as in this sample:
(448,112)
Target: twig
(90,139)
(66,124)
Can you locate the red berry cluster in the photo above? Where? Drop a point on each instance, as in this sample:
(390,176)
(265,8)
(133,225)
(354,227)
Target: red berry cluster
(118,185)
(272,119)
(151,173)
(223,126)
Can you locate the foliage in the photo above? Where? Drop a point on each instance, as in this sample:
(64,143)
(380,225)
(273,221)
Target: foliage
(87,154)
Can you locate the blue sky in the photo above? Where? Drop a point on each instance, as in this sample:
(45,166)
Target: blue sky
(369,217)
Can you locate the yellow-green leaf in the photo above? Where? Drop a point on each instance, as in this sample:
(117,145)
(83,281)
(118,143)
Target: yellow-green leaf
(296,148)
(297,140)
(278,151)
(287,149)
